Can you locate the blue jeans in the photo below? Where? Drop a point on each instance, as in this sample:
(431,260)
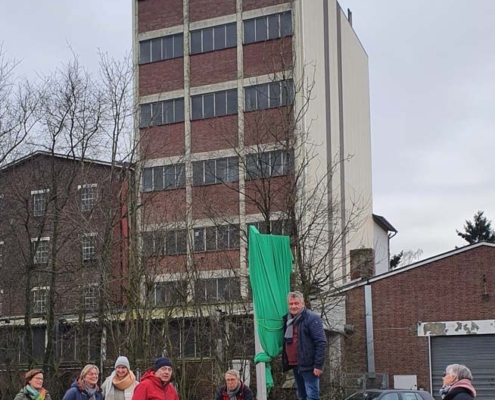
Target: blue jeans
(307,385)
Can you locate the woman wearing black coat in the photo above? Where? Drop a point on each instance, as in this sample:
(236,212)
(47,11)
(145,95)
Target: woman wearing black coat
(457,383)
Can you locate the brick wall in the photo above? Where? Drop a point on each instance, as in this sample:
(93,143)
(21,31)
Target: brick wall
(214,67)
(449,289)
(151,15)
(205,9)
(267,57)
(254,4)
(162,141)
(214,134)
(161,76)
(213,201)
(164,207)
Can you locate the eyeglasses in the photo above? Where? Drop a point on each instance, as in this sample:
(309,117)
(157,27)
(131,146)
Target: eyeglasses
(38,379)
(445,374)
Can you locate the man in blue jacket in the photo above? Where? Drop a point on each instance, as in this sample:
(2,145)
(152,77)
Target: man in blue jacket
(305,346)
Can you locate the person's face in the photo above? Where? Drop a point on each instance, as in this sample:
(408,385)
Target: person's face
(36,381)
(164,373)
(231,382)
(121,371)
(91,377)
(448,379)
(295,305)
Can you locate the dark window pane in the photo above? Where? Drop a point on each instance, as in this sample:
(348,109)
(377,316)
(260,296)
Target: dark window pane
(197,107)
(199,239)
(178,110)
(208,104)
(158,178)
(250,98)
(145,119)
(144,52)
(207,39)
(211,238)
(196,42)
(210,171)
(275,97)
(168,47)
(234,236)
(261,28)
(232,101)
(157,111)
(219,33)
(179,45)
(198,171)
(222,170)
(273,26)
(170,181)
(211,289)
(233,169)
(156,49)
(220,104)
(223,237)
(231,35)
(264,160)
(262,95)
(147,179)
(180,175)
(181,241)
(286,24)
(277,227)
(276,162)
(168,111)
(148,244)
(252,169)
(249,32)
(170,243)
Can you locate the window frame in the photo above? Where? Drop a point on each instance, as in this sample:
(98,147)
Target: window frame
(88,246)
(207,238)
(88,196)
(40,202)
(261,97)
(227,44)
(43,256)
(149,180)
(259,29)
(266,169)
(200,171)
(159,108)
(40,303)
(153,44)
(199,101)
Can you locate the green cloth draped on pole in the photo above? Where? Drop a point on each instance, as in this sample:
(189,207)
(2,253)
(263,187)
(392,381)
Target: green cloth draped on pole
(270,266)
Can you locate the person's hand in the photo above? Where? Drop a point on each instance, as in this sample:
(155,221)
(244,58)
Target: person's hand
(317,372)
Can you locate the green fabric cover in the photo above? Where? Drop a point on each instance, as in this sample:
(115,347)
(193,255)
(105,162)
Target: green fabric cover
(270,266)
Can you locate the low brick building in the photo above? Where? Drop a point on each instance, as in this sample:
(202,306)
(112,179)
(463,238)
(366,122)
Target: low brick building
(413,321)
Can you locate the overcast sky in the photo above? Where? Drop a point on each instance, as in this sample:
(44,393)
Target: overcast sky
(432,76)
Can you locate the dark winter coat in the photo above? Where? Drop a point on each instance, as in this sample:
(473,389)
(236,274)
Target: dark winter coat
(459,393)
(244,394)
(78,393)
(152,388)
(311,343)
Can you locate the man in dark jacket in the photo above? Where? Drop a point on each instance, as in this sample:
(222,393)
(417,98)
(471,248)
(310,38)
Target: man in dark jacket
(234,389)
(305,345)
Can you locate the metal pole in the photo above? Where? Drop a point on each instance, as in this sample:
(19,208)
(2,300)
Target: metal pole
(260,367)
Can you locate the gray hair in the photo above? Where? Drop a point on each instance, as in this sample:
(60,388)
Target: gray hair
(233,372)
(88,368)
(459,371)
(296,294)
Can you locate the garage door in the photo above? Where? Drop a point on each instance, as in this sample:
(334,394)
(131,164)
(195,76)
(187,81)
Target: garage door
(477,352)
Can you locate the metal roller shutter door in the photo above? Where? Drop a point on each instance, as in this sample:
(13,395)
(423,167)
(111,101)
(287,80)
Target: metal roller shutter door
(477,352)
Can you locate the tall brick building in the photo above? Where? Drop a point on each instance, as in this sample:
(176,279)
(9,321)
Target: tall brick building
(250,112)
(412,322)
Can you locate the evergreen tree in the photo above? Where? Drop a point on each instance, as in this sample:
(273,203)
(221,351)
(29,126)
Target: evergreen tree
(478,230)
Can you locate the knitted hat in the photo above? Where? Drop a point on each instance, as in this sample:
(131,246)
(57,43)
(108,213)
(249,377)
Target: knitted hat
(162,362)
(31,374)
(122,361)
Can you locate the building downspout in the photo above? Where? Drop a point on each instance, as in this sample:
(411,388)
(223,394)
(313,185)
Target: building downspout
(430,365)
(370,346)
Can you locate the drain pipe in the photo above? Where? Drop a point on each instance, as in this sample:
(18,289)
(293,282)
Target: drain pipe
(370,345)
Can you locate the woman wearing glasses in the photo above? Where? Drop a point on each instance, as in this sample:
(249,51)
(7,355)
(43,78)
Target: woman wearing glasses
(33,387)
(457,383)
(85,388)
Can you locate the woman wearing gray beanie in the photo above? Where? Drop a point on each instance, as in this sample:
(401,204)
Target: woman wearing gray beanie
(121,382)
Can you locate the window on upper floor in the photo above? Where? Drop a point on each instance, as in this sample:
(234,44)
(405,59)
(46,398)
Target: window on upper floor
(159,243)
(213,38)
(218,170)
(162,113)
(219,237)
(88,195)
(40,200)
(269,95)
(268,164)
(162,48)
(40,297)
(217,289)
(267,27)
(215,104)
(169,293)
(89,294)
(165,177)
(88,246)
(40,250)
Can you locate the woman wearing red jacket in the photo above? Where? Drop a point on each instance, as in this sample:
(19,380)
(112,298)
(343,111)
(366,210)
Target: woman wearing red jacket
(155,383)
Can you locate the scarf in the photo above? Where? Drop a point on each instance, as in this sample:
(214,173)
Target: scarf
(233,394)
(464,384)
(125,382)
(444,390)
(34,394)
(291,321)
(90,391)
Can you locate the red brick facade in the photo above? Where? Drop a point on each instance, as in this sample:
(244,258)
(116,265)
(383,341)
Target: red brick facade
(449,289)
(161,76)
(162,141)
(214,67)
(205,9)
(152,14)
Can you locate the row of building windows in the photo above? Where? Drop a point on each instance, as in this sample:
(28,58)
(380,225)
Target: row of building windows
(218,104)
(88,195)
(220,170)
(41,247)
(89,298)
(216,38)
